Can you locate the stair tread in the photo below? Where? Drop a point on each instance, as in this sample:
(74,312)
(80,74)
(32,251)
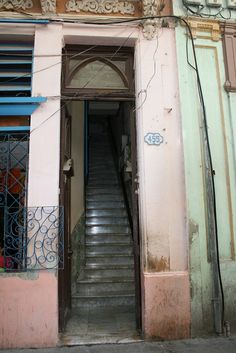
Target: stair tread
(94,243)
(125,235)
(103,221)
(105,294)
(105,205)
(106,212)
(106,280)
(109,266)
(99,255)
(108,231)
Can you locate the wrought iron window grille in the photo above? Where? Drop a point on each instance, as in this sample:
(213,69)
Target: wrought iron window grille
(34,238)
(31,238)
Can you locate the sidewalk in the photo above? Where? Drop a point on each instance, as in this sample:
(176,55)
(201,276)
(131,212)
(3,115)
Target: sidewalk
(198,345)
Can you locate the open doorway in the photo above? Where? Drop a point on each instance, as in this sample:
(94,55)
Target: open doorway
(104,298)
(100,282)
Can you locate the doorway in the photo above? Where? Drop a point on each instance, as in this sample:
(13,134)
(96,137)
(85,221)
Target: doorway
(103,233)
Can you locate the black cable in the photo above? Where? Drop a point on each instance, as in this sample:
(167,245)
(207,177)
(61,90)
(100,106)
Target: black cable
(199,13)
(187,56)
(212,172)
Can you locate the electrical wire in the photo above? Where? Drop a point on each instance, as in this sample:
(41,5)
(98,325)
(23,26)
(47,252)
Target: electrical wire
(200,12)
(151,78)
(187,55)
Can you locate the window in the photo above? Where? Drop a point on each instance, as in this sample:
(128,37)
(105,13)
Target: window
(101,71)
(30,237)
(16,66)
(16,62)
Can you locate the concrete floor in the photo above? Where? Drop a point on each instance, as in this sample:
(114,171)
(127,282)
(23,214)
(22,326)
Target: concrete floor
(208,345)
(100,325)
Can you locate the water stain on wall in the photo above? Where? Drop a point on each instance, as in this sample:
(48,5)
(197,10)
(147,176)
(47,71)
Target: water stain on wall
(155,264)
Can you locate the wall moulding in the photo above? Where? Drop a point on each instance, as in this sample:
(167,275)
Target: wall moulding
(101,6)
(205,29)
(16,4)
(154,8)
(111,8)
(48,6)
(76,7)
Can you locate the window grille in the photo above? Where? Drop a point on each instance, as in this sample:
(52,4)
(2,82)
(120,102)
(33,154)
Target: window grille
(13,194)
(30,237)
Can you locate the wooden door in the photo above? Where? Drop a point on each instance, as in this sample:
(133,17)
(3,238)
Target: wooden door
(135,220)
(86,141)
(65,187)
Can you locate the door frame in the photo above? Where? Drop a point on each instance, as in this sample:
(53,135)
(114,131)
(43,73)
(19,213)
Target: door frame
(90,95)
(135,220)
(64,274)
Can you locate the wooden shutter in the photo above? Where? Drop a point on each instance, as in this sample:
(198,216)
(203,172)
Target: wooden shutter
(229,45)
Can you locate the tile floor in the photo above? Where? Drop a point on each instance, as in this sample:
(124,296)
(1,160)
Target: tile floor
(100,325)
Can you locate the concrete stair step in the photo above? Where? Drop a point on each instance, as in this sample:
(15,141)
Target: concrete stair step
(116,191)
(118,249)
(103,180)
(112,285)
(107,239)
(109,260)
(99,157)
(107,229)
(97,166)
(109,271)
(119,212)
(102,183)
(96,205)
(99,221)
(103,172)
(106,197)
(80,301)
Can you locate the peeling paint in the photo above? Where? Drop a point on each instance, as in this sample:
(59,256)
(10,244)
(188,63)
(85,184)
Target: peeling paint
(156,264)
(193,230)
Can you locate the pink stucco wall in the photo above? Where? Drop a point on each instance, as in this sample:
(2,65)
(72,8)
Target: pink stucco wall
(166,309)
(28,310)
(165,281)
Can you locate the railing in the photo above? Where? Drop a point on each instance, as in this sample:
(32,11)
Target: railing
(33,238)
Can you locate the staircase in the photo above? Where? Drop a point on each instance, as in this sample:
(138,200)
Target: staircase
(108,279)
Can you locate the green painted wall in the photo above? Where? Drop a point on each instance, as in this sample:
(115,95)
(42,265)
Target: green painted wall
(220,108)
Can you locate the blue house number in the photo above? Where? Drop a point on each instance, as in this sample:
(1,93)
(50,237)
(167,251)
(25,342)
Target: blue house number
(153,138)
